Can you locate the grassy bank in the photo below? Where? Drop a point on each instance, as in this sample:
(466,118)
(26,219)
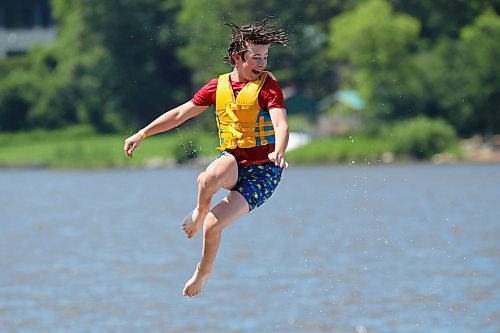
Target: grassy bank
(364,150)
(341,150)
(80,147)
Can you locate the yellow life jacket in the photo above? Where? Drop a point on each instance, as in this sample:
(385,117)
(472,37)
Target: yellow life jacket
(240,120)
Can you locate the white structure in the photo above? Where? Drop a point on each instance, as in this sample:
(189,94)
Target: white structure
(24,25)
(19,41)
(297,139)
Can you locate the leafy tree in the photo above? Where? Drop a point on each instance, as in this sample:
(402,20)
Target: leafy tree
(118,63)
(304,64)
(479,44)
(469,89)
(462,79)
(113,64)
(373,46)
(202,26)
(16,93)
(14,104)
(422,137)
(119,51)
(444,18)
(456,79)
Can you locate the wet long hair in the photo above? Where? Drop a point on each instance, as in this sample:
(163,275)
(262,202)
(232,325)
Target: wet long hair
(257,33)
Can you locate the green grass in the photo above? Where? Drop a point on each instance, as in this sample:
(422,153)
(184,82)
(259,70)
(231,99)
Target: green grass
(356,149)
(80,147)
(341,150)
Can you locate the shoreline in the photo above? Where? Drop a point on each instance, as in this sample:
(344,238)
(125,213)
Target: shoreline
(202,163)
(473,150)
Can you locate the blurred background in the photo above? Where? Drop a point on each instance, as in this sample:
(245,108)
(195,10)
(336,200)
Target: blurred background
(408,79)
(386,221)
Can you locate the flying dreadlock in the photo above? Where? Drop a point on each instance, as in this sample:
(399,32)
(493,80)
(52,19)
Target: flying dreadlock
(259,32)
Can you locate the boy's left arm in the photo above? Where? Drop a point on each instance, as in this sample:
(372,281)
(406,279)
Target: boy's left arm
(280,124)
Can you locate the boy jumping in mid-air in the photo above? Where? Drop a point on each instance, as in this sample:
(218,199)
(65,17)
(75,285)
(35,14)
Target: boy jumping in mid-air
(253,132)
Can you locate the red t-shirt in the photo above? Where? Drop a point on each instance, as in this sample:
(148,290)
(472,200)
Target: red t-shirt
(270,96)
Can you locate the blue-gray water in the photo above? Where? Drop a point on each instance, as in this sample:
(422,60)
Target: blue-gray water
(411,248)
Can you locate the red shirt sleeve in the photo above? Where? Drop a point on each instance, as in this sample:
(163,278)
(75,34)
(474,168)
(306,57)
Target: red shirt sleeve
(206,95)
(271,95)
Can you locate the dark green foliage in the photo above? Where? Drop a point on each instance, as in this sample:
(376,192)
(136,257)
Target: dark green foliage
(117,64)
(422,138)
(112,66)
(186,150)
(400,76)
(444,18)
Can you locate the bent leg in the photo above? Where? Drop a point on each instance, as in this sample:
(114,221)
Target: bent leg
(221,173)
(232,207)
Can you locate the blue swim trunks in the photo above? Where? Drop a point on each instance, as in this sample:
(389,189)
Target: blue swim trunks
(257,182)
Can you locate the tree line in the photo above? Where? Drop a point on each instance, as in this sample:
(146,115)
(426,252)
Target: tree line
(117,64)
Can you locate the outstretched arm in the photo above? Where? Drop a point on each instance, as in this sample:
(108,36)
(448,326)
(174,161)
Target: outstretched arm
(280,124)
(163,123)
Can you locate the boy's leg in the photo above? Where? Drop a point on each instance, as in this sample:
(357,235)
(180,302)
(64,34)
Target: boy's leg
(223,214)
(221,173)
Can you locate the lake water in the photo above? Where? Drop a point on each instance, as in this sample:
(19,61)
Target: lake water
(395,248)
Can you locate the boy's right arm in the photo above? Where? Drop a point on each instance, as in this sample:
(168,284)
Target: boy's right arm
(163,123)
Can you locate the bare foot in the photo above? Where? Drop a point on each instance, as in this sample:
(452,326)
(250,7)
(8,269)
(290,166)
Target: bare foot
(196,283)
(192,222)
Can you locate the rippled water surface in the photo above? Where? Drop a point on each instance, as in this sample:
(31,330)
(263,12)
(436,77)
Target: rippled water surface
(410,248)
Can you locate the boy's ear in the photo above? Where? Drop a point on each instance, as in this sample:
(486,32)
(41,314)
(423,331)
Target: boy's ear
(236,56)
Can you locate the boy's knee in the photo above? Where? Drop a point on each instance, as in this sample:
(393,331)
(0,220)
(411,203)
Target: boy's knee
(208,179)
(201,178)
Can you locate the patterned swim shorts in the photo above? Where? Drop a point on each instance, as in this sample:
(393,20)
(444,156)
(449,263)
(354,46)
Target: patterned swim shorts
(257,182)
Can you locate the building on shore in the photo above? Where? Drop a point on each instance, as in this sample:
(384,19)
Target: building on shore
(24,24)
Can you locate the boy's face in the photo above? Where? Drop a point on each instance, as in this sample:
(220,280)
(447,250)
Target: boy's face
(253,61)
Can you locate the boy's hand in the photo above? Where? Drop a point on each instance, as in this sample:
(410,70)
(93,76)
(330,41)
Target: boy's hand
(278,159)
(132,143)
